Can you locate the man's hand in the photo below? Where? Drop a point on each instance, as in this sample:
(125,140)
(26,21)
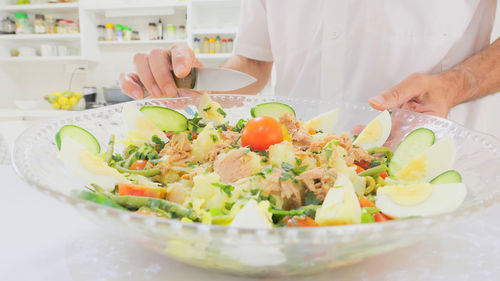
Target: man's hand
(430,94)
(153,72)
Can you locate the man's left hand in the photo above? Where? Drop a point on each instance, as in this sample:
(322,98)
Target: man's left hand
(424,93)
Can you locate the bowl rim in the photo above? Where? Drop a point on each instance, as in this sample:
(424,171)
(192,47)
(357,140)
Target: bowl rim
(424,222)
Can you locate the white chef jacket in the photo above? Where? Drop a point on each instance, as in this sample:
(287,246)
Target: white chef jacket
(354,49)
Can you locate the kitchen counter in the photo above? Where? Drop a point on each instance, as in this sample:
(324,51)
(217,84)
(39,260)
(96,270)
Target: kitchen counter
(43,239)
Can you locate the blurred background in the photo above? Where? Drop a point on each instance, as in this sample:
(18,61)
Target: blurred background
(56,54)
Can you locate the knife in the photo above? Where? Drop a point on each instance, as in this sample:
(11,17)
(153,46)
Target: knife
(214,79)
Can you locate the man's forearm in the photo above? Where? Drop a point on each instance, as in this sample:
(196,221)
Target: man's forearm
(478,76)
(261,70)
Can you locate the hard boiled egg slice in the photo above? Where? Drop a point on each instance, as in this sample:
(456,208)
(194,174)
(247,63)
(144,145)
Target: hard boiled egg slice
(88,167)
(324,122)
(341,205)
(252,215)
(432,162)
(423,199)
(140,128)
(376,132)
(211,111)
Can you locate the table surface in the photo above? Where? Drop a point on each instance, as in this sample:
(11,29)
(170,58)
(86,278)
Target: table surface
(43,239)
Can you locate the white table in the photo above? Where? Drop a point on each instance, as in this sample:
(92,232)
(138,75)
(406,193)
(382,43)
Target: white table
(42,239)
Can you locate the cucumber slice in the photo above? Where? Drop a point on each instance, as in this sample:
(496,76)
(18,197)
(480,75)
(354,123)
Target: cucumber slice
(412,145)
(271,109)
(450,176)
(165,118)
(80,135)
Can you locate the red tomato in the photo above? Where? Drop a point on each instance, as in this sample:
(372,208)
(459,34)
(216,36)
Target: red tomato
(379,217)
(261,132)
(359,169)
(384,175)
(141,190)
(300,222)
(138,165)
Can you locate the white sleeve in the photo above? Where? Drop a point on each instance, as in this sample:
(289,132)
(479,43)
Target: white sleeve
(253,40)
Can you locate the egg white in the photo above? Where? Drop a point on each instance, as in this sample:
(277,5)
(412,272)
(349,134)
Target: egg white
(139,125)
(76,159)
(376,132)
(444,198)
(251,216)
(325,122)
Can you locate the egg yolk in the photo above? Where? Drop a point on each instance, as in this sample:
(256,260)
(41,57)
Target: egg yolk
(415,170)
(371,133)
(407,195)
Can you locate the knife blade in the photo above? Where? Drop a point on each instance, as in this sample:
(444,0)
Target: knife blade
(214,79)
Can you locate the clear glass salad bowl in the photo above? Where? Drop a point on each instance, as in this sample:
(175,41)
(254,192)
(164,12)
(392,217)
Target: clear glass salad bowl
(279,251)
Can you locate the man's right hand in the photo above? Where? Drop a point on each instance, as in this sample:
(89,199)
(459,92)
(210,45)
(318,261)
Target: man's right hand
(153,72)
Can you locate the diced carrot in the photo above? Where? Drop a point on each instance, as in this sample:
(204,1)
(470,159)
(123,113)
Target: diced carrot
(359,169)
(384,175)
(141,190)
(300,222)
(138,165)
(379,217)
(364,202)
(311,131)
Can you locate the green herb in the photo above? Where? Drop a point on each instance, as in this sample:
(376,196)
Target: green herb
(371,210)
(215,138)
(328,153)
(298,161)
(216,211)
(239,125)
(261,174)
(195,124)
(295,170)
(367,218)
(246,150)
(117,158)
(311,199)
(338,186)
(227,188)
(207,109)
(285,177)
(159,143)
(221,111)
(209,168)
(190,164)
(254,191)
(190,136)
(262,152)
(229,205)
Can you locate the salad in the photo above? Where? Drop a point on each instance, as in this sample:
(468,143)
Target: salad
(271,170)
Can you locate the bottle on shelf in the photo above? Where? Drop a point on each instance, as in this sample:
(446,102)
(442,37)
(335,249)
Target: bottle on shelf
(40,24)
(218,47)
(212,45)
(100,32)
(180,34)
(224,46)
(50,25)
(108,36)
(170,32)
(135,35)
(22,23)
(206,45)
(196,45)
(152,31)
(127,33)
(119,32)
(159,36)
(8,26)
(230,45)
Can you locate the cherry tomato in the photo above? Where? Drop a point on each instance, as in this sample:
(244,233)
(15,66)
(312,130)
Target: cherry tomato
(138,165)
(359,169)
(384,175)
(261,132)
(300,222)
(379,217)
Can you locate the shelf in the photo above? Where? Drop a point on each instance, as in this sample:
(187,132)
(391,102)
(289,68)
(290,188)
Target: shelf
(147,8)
(214,56)
(44,59)
(19,114)
(214,31)
(139,42)
(68,36)
(47,8)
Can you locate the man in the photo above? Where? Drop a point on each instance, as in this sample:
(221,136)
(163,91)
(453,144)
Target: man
(356,50)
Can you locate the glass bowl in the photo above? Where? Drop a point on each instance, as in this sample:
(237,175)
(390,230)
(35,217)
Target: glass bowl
(279,251)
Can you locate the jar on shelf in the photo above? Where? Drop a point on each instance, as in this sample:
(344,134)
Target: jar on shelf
(22,23)
(170,32)
(127,33)
(196,45)
(40,24)
(135,35)
(206,45)
(152,31)
(212,45)
(50,24)
(63,26)
(224,46)
(100,32)
(119,32)
(8,26)
(180,34)
(108,35)
(230,45)
(73,27)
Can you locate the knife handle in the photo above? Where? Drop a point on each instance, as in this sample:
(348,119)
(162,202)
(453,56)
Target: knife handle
(187,82)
